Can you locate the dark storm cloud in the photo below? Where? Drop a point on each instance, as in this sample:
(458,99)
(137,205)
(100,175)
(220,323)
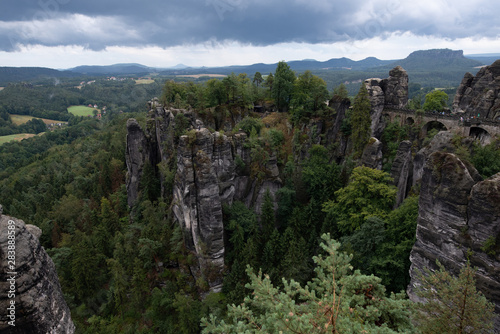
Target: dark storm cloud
(97,24)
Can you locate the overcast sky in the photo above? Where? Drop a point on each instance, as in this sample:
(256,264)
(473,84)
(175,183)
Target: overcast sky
(67,33)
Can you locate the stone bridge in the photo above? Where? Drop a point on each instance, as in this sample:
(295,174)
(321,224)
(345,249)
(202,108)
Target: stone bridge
(481,128)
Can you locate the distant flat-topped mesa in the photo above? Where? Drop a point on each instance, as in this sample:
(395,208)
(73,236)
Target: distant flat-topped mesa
(31,296)
(480,95)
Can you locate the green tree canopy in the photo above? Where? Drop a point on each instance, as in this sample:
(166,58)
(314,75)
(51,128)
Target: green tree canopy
(341,92)
(257,79)
(369,193)
(360,120)
(453,305)
(338,300)
(309,95)
(282,90)
(435,100)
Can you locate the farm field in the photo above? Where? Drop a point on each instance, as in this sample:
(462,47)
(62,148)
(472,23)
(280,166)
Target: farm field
(19,136)
(144,81)
(81,111)
(197,76)
(21,119)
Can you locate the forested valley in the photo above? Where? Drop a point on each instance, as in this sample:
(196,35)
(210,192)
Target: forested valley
(332,256)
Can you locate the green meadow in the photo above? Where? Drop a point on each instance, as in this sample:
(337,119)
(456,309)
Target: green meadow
(81,111)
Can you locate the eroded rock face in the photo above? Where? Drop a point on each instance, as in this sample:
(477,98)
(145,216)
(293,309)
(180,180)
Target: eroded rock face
(442,142)
(480,94)
(396,88)
(39,303)
(391,92)
(457,214)
(372,154)
(212,169)
(198,205)
(402,170)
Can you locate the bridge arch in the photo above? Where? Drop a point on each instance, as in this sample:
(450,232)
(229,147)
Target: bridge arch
(480,134)
(409,121)
(431,125)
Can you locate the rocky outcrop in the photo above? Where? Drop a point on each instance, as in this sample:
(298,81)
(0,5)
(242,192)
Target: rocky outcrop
(391,92)
(440,142)
(136,156)
(372,154)
(211,169)
(396,88)
(202,182)
(37,304)
(402,171)
(457,213)
(480,94)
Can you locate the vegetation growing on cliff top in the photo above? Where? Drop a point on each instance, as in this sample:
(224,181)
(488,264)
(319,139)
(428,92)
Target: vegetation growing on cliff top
(128,271)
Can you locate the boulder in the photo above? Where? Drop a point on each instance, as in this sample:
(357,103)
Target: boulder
(39,303)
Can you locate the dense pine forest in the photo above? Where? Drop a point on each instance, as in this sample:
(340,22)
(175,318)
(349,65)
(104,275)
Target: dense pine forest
(335,232)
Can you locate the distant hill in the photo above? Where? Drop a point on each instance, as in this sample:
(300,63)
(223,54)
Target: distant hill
(336,64)
(438,60)
(485,58)
(116,69)
(13,74)
(437,67)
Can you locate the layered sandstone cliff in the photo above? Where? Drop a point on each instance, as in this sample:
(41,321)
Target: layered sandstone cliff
(29,284)
(391,92)
(211,169)
(458,215)
(479,95)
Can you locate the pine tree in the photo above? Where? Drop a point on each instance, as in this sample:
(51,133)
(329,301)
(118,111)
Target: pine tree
(360,120)
(283,86)
(338,300)
(267,219)
(453,303)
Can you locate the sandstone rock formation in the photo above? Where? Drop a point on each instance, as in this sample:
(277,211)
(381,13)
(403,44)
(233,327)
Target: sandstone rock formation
(39,303)
(372,154)
(458,214)
(402,171)
(391,92)
(442,142)
(480,94)
(137,154)
(212,169)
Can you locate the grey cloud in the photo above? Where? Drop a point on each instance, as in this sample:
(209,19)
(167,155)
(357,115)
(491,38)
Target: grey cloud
(257,22)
